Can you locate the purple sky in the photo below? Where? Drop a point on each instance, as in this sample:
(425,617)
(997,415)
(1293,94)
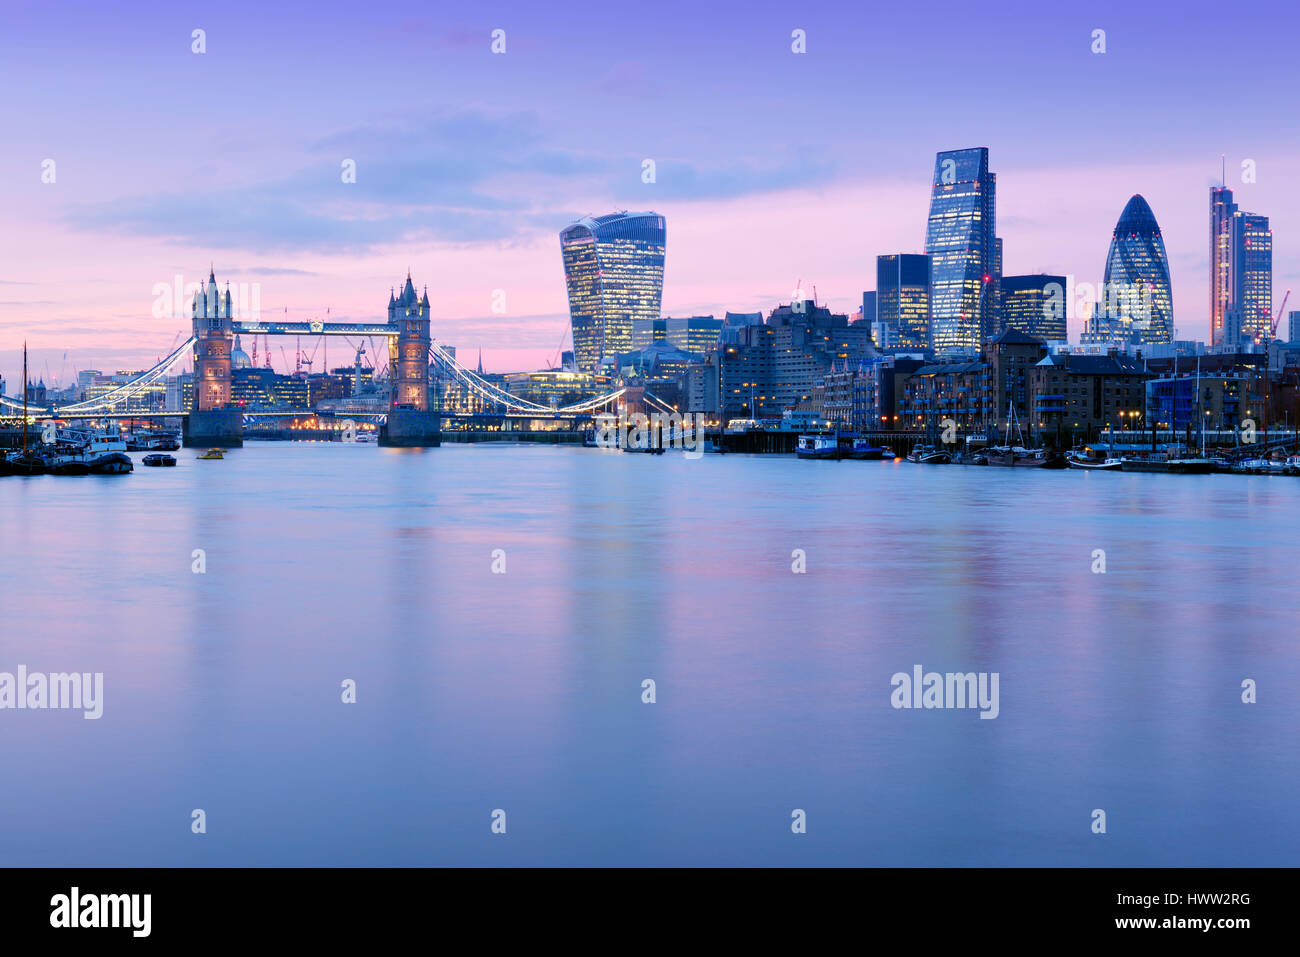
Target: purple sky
(771,166)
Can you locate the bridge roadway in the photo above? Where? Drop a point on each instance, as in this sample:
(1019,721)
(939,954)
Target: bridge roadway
(576,420)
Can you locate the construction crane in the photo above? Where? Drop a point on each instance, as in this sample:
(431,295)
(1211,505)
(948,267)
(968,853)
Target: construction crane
(1272,333)
(310,361)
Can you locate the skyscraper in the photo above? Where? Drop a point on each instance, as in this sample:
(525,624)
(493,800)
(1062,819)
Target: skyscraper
(1241,272)
(1035,305)
(994,323)
(903,299)
(962,246)
(1221,209)
(1249,317)
(1137,301)
(614,272)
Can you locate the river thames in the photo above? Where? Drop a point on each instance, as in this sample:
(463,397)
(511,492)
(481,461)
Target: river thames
(500,606)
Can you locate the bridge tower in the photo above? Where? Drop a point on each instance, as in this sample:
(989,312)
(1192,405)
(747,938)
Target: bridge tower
(410,420)
(213,420)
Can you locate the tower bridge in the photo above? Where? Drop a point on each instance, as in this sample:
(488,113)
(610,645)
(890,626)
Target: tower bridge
(214,419)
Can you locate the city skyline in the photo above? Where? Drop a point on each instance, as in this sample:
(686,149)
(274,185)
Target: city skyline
(80,256)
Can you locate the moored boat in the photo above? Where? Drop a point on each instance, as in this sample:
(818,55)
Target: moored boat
(1260,466)
(862,450)
(105,454)
(1081,460)
(26,463)
(67,460)
(1016,456)
(818,446)
(928,455)
(213,454)
(1191,465)
(1170,464)
(159,460)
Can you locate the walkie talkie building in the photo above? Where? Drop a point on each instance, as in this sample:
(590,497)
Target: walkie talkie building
(614,271)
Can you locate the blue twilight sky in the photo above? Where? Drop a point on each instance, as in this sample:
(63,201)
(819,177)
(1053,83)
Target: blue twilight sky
(771,166)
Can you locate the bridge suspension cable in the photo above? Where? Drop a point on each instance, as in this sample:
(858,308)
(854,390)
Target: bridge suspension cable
(657,403)
(113,397)
(499,396)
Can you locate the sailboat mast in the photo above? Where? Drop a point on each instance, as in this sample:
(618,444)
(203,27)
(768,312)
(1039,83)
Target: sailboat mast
(24,398)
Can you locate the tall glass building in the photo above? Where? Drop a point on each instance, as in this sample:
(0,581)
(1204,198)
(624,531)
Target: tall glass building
(1035,305)
(1137,301)
(1222,209)
(903,298)
(1241,272)
(961,243)
(1250,310)
(614,272)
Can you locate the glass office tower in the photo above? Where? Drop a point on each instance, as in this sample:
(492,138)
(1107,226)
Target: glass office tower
(1035,305)
(1222,209)
(614,272)
(1137,302)
(903,298)
(1241,272)
(1250,317)
(962,247)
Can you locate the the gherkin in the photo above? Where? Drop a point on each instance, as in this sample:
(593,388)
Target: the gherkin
(1137,303)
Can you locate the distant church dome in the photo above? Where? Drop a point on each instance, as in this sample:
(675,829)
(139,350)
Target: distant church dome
(239,358)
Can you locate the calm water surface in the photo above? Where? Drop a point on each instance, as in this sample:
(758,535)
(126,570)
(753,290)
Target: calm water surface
(522,691)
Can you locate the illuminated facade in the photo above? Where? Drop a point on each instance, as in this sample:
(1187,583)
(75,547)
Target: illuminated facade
(903,299)
(555,388)
(696,334)
(614,274)
(408,351)
(1241,272)
(690,334)
(1250,310)
(144,398)
(1221,209)
(213,342)
(1034,305)
(963,251)
(1138,303)
(266,389)
(646,332)
(774,366)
